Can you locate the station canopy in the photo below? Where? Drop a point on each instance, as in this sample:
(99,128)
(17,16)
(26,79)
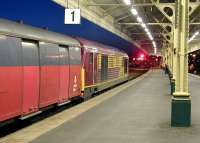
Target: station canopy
(148,22)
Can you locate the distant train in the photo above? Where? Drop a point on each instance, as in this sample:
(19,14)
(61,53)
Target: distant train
(143,61)
(39,68)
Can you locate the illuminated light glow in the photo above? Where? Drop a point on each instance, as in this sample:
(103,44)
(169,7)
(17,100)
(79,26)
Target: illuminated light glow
(146,29)
(149,34)
(151,38)
(194,36)
(142,55)
(194,55)
(155,51)
(127,2)
(139,19)
(154,44)
(196,33)
(77,49)
(143,25)
(134,11)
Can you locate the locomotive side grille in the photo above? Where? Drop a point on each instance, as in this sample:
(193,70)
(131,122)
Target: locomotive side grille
(99,61)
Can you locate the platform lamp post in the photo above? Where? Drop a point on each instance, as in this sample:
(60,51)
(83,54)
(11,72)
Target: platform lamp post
(181,101)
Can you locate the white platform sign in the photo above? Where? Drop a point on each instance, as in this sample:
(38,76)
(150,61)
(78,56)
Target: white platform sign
(72,16)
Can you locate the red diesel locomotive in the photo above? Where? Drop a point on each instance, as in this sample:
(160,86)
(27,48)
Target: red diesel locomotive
(39,68)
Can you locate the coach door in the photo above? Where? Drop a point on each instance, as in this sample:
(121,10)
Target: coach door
(49,74)
(64,74)
(75,71)
(30,77)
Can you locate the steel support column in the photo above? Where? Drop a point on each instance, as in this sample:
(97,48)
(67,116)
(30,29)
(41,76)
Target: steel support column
(174,54)
(171,57)
(181,102)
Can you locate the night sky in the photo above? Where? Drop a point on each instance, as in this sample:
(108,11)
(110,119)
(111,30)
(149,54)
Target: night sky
(45,13)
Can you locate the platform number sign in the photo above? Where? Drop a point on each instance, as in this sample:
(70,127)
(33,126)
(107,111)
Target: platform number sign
(72,16)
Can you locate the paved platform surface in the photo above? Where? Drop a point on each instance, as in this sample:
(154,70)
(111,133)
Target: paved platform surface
(140,114)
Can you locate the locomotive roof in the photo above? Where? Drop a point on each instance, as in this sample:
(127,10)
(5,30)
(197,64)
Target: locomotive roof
(11,28)
(100,47)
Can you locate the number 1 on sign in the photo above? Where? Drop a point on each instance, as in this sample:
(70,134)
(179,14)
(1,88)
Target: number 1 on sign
(72,16)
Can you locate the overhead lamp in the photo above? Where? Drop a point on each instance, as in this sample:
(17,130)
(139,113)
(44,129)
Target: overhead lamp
(155,51)
(139,19)
(134,11)
(127,2)
(148,33)
(154,44)
(151,38)
(194,36)
(143,25)
(146,29)
(196,33)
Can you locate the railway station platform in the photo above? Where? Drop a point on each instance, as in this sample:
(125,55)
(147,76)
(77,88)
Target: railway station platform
(135,112)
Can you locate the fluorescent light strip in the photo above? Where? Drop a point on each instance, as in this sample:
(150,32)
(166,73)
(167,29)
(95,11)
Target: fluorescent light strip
(143,25)
(155,51)
(134,12)
(139,19)
(127,2)
(194,36)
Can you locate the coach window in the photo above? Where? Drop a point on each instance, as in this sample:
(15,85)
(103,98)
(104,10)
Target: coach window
(64,55)
(10,54)
(49,54)
(30,53)
(75,55)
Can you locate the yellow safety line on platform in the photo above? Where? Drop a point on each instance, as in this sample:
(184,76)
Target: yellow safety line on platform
(34,131)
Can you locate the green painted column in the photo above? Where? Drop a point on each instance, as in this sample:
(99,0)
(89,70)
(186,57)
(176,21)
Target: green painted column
(181,101)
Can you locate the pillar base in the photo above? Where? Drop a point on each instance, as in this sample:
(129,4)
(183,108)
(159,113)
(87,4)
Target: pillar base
(181,111)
